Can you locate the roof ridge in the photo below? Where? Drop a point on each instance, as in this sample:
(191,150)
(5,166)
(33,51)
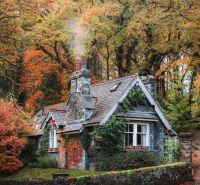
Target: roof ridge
(58,110)
(49,106)
(113,80)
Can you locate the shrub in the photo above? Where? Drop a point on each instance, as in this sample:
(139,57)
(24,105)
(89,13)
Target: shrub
(44,142)
(14,127)
(47,162)
(33,165)
(112,135)
(29,154)
(123,160)
(171,151)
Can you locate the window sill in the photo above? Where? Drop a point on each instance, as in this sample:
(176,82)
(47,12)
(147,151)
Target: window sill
(136,147)
(53,150)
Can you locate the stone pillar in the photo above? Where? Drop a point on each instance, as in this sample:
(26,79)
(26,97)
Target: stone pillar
(185,144)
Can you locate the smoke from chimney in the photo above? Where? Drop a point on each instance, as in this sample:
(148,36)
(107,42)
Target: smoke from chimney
(79,34)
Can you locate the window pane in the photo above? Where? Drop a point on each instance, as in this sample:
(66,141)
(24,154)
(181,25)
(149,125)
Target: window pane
(52,133)
(51,143)
(127,128)
(130,139)
(144,129)
(139,140)
(130,127)
(144,139)
(139,128)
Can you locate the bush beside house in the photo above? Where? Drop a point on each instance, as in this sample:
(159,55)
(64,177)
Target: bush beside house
(124,160)
(108,153)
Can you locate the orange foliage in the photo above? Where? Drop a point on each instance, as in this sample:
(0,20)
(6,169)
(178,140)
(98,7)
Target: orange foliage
(36,65)
(31,103)
(13,128)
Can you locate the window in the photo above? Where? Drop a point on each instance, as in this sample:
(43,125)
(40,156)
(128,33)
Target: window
(137,135)
(129,135)
(141,135)
(52,139)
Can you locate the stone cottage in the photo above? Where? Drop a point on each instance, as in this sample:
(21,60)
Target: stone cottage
(89,106)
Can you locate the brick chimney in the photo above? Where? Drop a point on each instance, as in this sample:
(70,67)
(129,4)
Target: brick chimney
(81,78)
(78,64)
(81,86)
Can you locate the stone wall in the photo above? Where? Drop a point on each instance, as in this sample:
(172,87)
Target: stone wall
(173,174)
(185,144)
(159,140)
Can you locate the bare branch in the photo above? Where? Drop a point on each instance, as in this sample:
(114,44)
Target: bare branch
(10,79)
(5,60)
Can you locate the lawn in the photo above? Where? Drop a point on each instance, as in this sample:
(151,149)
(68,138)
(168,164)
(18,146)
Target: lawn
(46,173)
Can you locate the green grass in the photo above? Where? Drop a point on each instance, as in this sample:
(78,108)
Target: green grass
(46,173)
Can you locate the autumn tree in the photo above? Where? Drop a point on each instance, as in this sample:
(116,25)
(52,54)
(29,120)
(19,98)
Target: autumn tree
(177,108)
(48,56)
(37,66)
(14,128)
(121,38)
(145,34)
(13,25)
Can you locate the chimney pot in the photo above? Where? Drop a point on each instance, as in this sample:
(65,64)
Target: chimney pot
(78,64)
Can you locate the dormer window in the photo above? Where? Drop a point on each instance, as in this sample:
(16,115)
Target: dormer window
(114,88)
(52,139)
(137,135)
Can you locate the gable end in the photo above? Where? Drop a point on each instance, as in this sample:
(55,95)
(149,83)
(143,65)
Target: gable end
(137,81)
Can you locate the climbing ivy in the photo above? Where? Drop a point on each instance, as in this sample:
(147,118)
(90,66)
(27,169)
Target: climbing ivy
(134,98)
(171,151)
(112,135)
(85,139)
(44,142)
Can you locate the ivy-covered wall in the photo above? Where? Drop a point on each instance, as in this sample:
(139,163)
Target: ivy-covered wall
(75,154)
(134,98)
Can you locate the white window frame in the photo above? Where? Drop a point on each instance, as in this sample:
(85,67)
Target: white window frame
(134,133)
(52,139)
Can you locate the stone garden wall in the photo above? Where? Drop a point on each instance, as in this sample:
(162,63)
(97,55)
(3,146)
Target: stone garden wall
(173,174)
(185,144)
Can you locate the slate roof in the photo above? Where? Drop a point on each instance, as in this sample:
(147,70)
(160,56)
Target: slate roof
(57,111)
(58,116)
(105,98)
(75,128)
